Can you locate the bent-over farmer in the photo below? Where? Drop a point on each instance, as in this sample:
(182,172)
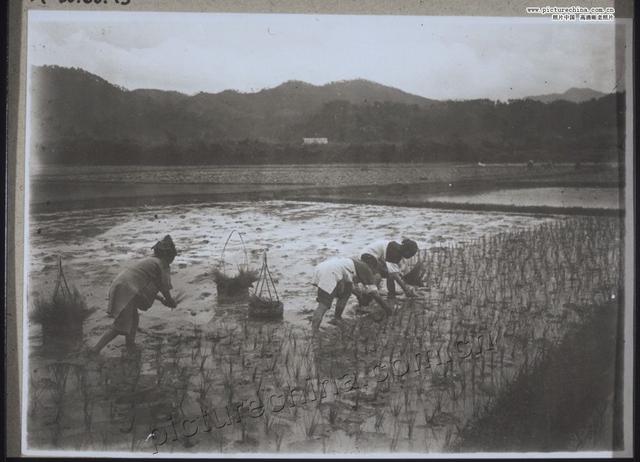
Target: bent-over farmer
(338,278)
(387,255)
(136,288)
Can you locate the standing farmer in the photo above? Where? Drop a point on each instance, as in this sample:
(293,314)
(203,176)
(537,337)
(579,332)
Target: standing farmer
(337,277)
(387,255)
(136,288)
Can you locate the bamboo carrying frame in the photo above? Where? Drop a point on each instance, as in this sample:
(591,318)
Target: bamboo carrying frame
(265,303)
(236,286)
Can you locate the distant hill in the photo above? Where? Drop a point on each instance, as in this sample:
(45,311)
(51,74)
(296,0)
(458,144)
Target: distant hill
(81,118)
(573,95)
(73,102)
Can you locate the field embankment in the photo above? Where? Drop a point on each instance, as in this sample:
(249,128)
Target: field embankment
(566,401)
(450,186)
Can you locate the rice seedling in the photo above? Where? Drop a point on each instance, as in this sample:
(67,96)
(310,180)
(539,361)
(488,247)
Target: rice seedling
(396,407)
(36,391)
(333,414)
(379,419)
(407,397)
(393,444)
(310,423)
(279,435)
(219,439)
(88,399)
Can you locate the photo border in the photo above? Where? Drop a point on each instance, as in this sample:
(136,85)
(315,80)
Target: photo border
(16,231)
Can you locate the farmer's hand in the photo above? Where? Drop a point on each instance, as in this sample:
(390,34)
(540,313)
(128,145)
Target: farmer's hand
(170,302)
(410,292)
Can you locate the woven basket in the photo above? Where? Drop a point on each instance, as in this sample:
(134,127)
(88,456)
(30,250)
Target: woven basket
(260,308)
(264,303)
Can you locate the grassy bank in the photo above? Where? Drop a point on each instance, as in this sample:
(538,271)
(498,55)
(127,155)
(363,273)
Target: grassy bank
(563,402)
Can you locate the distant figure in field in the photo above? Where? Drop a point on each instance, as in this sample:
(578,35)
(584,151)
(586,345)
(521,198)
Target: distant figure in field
(136,288)
(387,255)
(340,277)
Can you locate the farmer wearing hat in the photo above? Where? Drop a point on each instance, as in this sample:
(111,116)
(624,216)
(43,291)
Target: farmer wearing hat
(338,278)
(136,288)
(387,255)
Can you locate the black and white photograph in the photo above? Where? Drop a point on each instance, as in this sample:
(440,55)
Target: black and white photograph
(310,235)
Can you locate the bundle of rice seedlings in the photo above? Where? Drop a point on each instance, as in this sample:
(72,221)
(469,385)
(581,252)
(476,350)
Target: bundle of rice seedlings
(415,277)
(61,317)
(236,285)
(64,309)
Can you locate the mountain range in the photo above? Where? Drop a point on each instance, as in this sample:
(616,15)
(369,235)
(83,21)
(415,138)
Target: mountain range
(73,102)
(574,95)
(77,115)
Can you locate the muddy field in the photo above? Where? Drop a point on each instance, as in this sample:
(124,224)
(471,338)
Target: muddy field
(499,290)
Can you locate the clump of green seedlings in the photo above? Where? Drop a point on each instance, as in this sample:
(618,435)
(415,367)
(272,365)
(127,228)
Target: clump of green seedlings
(62,312)
(235,285)
(65,311)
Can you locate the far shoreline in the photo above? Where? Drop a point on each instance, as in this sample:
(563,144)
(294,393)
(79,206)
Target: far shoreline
(443,188)
(388,195)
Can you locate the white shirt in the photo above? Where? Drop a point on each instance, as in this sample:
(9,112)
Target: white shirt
(379,250)
(328,273)
(333,270)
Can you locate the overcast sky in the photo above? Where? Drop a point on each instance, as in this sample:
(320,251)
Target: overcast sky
(435,57)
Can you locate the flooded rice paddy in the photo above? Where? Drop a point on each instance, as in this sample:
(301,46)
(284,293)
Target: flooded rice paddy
(499,289)
(601,198)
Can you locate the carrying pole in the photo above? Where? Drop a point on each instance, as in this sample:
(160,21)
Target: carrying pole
(244,250)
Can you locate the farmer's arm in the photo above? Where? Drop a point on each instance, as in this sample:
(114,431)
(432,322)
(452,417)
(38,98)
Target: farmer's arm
(380,301)
(167,300)
(405,288)
(165,288)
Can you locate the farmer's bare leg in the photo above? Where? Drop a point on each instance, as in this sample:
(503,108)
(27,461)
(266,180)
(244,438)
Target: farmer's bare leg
(340,305)
(131,337)
(391,286)
(317,316)
(104,340)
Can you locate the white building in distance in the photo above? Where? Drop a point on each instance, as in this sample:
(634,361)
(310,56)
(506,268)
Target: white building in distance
(315,141)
